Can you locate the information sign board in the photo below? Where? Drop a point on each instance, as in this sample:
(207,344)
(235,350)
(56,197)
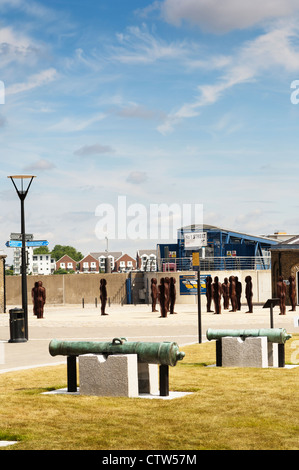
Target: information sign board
(195,240)
(188,284)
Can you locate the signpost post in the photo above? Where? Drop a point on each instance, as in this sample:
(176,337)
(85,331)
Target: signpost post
(195,241)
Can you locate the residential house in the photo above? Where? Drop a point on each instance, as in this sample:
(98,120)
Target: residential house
(36,264)
(17,260)
(43,264)
(89,264)
(67,263)
(102,255)
(125,263)
(146,260)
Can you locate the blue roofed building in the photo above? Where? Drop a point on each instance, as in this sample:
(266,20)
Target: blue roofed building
(225,250)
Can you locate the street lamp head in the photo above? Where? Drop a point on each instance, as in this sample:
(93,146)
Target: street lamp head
(22,190)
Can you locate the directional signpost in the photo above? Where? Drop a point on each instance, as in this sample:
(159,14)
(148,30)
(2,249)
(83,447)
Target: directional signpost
(33,243)
(18,236)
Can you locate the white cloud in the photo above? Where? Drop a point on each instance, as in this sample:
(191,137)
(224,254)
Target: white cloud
(8,36)
(16,47)
(34,81)
(226,15)
(136,111)
(75,125)
(139,46)
(40,165)
(96,149)
(137,177)
(273,50)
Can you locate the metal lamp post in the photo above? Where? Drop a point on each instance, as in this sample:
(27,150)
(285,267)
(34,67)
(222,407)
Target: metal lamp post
(22,192)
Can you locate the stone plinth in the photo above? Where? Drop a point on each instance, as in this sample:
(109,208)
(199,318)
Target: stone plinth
(252,352)
(148,378)
(108,376)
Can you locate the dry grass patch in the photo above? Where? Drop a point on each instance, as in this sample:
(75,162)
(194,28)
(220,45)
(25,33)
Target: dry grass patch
(229,408)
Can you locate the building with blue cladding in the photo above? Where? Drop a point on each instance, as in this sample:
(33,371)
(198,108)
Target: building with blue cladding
(222,244)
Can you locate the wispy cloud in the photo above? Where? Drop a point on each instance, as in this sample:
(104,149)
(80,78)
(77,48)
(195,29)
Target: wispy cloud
(34,81)
(75,125)
(273,50)
(139,46)
(40,165)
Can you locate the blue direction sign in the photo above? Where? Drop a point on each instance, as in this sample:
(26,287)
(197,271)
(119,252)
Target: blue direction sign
(18,243)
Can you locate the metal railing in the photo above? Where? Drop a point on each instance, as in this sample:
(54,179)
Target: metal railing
(228,263)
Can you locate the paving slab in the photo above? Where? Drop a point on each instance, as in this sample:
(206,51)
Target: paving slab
(135,322)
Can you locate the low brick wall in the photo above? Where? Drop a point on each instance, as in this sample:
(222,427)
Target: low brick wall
(72,288)
(68,288)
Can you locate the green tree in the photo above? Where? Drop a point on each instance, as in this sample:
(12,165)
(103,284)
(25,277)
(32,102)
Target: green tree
(60,250)
(9,271)
(41,250)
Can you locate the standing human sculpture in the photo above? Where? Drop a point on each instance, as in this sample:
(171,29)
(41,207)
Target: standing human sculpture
(281,294)
(225,293)
(34,297)
(154,294)
(249,293)
(172,295)
(103,296)
(216,292)
(167,287)
(238,292)
(162,298)
(39,299)
(232,293)
(292,293)
(209,293)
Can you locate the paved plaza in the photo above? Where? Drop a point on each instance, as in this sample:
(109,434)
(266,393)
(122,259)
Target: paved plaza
(136,323)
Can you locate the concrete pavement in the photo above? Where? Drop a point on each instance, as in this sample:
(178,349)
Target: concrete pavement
(136,323)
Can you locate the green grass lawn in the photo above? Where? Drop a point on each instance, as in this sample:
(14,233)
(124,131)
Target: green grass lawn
(230,408)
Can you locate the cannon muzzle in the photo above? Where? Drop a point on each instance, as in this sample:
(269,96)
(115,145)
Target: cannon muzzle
(166,353)
(274,335)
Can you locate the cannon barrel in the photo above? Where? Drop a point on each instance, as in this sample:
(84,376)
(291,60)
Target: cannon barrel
(274,335)
(166,353)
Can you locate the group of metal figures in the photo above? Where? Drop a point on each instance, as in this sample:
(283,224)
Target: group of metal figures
(231,290)
(164,294)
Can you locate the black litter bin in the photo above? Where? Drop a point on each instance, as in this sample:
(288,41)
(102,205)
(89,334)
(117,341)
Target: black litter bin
(17,326)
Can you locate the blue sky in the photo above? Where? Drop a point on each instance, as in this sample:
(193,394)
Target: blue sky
(167,101)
